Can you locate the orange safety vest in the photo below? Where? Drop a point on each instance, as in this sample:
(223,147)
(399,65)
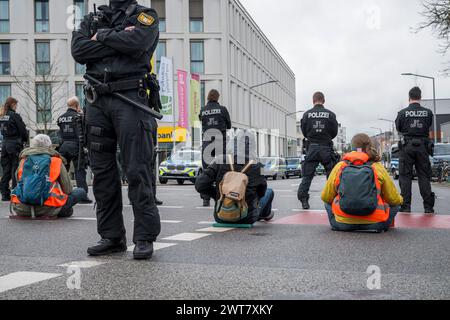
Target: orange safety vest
(381,214)
(57,197)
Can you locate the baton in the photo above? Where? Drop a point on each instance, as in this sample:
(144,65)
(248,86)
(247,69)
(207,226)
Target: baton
(125,99)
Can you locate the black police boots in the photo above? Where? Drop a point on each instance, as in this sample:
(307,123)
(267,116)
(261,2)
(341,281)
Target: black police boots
(6,198)
(108,246)
(305,204)
(143,250)
(206,203)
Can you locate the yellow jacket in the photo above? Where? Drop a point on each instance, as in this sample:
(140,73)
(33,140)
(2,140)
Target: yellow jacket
(389,192)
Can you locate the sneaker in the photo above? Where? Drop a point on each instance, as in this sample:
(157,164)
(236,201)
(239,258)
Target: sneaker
(108,246)
(270,216)
(405,209)
(206,203)
(143,250)
(305,204)
(86,201)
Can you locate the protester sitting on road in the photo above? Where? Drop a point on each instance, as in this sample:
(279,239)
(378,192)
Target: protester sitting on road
(360,195)
(240,191)
(44,187)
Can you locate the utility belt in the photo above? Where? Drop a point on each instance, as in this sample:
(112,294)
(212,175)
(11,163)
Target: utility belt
(417,142)
(93,92)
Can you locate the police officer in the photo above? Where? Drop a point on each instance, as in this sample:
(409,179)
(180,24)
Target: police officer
(72,143)
(215,123)
(116,45)
(15,135)
(414,123)
(320,127)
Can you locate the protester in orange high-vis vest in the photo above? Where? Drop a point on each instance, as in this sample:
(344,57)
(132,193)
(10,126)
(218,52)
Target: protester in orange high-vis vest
(61,196)
(359,194)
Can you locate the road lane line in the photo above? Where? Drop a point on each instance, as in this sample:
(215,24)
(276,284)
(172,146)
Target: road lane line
(171,221)
(156,246)
(187,236)
(171,207)
(215,230)
(86,264)
(21,279)
(82,219)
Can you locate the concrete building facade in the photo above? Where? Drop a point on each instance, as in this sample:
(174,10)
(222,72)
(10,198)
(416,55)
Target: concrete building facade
(217,39)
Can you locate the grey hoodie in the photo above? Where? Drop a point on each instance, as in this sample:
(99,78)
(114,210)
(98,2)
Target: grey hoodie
(63,180)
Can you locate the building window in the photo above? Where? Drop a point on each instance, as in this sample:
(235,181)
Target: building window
(79,92)
(5,92)
(80,10)
(196,15)
(80,68)
(161,51)
(42,58)
(160,8)
(4,16)
(41,11)
(5,59)
(197,57)
(44,103)
(202,93)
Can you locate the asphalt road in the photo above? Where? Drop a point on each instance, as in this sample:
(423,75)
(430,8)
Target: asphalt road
(193,261)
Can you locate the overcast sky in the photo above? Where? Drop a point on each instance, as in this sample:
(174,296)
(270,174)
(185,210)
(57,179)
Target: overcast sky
(343,49)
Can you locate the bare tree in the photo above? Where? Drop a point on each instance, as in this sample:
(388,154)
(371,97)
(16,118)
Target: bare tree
(436,15)
(44,87)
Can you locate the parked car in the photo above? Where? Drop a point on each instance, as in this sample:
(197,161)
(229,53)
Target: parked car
(293,167)
(273,167)
(395,162)
(184,165)
(320,170)
(441,156)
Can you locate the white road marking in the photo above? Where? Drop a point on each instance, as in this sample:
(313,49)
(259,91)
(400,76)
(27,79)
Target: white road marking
(156,246)
(171,221)
(171,207)
(187,236)
(83,264)
(215,230)
(83,219)
(22,279)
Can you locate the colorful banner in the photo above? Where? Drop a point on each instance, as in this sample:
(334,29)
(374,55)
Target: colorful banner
(182,99)
(195,100)
(165,78)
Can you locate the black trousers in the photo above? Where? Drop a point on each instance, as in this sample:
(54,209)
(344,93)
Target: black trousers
(216,144)
(9,161)
(316,154)
(415,154)
(154,124)
(111,121)
(69,150)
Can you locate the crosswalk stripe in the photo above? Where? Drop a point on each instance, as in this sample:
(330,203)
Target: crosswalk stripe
(206,222)
(171,207)
(87,264)
(21,279)
(215,230)
(156,246)
(187,236)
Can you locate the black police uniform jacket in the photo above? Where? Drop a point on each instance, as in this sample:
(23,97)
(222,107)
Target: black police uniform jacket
(70,124)
(124,53)
(12,127)
(319,125)
(414,121)
(215,116)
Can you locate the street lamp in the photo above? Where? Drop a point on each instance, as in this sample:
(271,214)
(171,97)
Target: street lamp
(250,99)
(285,128)
(434,100)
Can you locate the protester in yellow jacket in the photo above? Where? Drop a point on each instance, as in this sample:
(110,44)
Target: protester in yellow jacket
(384,197)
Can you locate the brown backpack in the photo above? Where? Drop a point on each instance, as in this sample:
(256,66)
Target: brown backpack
(232,206)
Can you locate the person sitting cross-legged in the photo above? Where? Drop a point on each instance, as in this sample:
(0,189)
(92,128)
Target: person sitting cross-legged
(44,187)
(359,194)
(240,191)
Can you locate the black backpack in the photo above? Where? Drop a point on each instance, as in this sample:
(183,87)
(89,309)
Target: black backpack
(358,190)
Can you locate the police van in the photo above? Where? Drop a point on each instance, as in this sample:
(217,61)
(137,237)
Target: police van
(183,165)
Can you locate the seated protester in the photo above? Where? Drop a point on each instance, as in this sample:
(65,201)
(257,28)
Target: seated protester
(240,191)
(44,187)
(360,195)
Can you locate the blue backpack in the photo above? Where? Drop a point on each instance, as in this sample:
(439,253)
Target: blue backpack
(34,186)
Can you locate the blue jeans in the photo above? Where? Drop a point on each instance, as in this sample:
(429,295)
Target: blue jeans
(361,227)
(76,196)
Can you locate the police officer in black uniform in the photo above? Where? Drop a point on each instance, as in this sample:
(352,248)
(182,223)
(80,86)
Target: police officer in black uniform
(320,127)
(15,135)
(72,143)
(414,123)
(116,45)
(213,116)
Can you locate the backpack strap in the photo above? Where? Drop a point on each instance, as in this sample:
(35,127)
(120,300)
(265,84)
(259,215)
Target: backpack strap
(230,158)
(252,162)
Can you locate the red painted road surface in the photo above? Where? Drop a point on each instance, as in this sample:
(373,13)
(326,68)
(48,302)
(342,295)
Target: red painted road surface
(408,221)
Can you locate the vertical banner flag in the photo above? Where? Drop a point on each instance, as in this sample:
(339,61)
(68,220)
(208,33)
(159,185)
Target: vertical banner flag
(165,78)
(195,100)
(183,99)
